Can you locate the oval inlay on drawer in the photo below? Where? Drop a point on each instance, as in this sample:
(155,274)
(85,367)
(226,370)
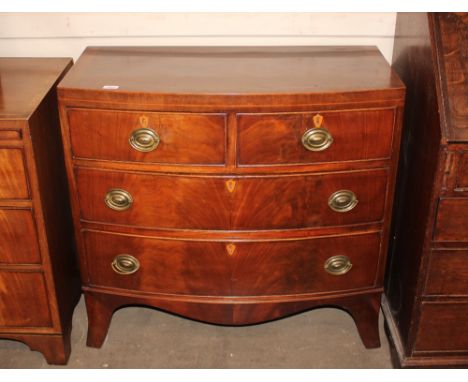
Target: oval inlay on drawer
(166,138)
(254,268)
(287,138)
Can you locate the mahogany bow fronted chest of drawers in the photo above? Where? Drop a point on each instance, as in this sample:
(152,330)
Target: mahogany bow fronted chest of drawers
(39,280)
(232,185)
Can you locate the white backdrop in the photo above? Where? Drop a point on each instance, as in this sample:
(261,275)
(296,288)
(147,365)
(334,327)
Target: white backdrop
(67,34)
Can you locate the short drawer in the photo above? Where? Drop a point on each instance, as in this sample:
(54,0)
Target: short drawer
(448,272)
(13,179)
(443,327)
(241,203)
(232,269)
(23,300)
(329,136)
(18,237)
(452,220)
(166,138)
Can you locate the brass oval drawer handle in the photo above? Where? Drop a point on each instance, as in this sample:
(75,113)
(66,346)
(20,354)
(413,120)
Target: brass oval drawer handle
(118,200)
(342,201)
(317,139)
(125,264)
(144,140)
(338,265)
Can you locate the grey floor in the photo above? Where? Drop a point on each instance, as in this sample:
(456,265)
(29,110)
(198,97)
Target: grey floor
(146,338)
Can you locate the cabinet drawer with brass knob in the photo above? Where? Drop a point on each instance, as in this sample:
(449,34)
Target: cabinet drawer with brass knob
(164,138)
(310,200)
(179,201)
(314,137)
(244,268)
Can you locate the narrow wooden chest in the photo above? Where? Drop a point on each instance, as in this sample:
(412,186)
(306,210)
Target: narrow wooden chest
(39,281)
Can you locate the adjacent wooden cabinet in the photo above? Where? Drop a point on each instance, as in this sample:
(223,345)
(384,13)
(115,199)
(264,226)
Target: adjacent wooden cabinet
(39,284)
(427,284)
(232,185)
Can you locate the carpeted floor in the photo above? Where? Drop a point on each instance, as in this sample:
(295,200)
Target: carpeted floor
(147,338)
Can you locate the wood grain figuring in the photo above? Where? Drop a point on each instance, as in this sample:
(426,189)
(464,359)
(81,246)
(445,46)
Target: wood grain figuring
(451,224)
(181,202)
(302,201)
(251,268)
(14,184)
(15,226)
(184,138)
(448,327)
(276,138)
(23,300)
(296,267)
(230,221)
(448,273)
(159,201)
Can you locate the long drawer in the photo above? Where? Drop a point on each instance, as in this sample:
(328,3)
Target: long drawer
(170,138)
(330,136)
(240,203)
(232,268)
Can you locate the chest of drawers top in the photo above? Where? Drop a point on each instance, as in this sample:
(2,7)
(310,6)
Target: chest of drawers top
(25,82)
(232,76)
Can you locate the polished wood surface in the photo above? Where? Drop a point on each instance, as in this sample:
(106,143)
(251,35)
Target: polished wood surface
(239,232)
(25,82)
(301,200)
(14,184)
(357,135)
(39,287)
(253,268)
(15,225)
(184,138)
(232,71)
(426,285)
(24,300)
